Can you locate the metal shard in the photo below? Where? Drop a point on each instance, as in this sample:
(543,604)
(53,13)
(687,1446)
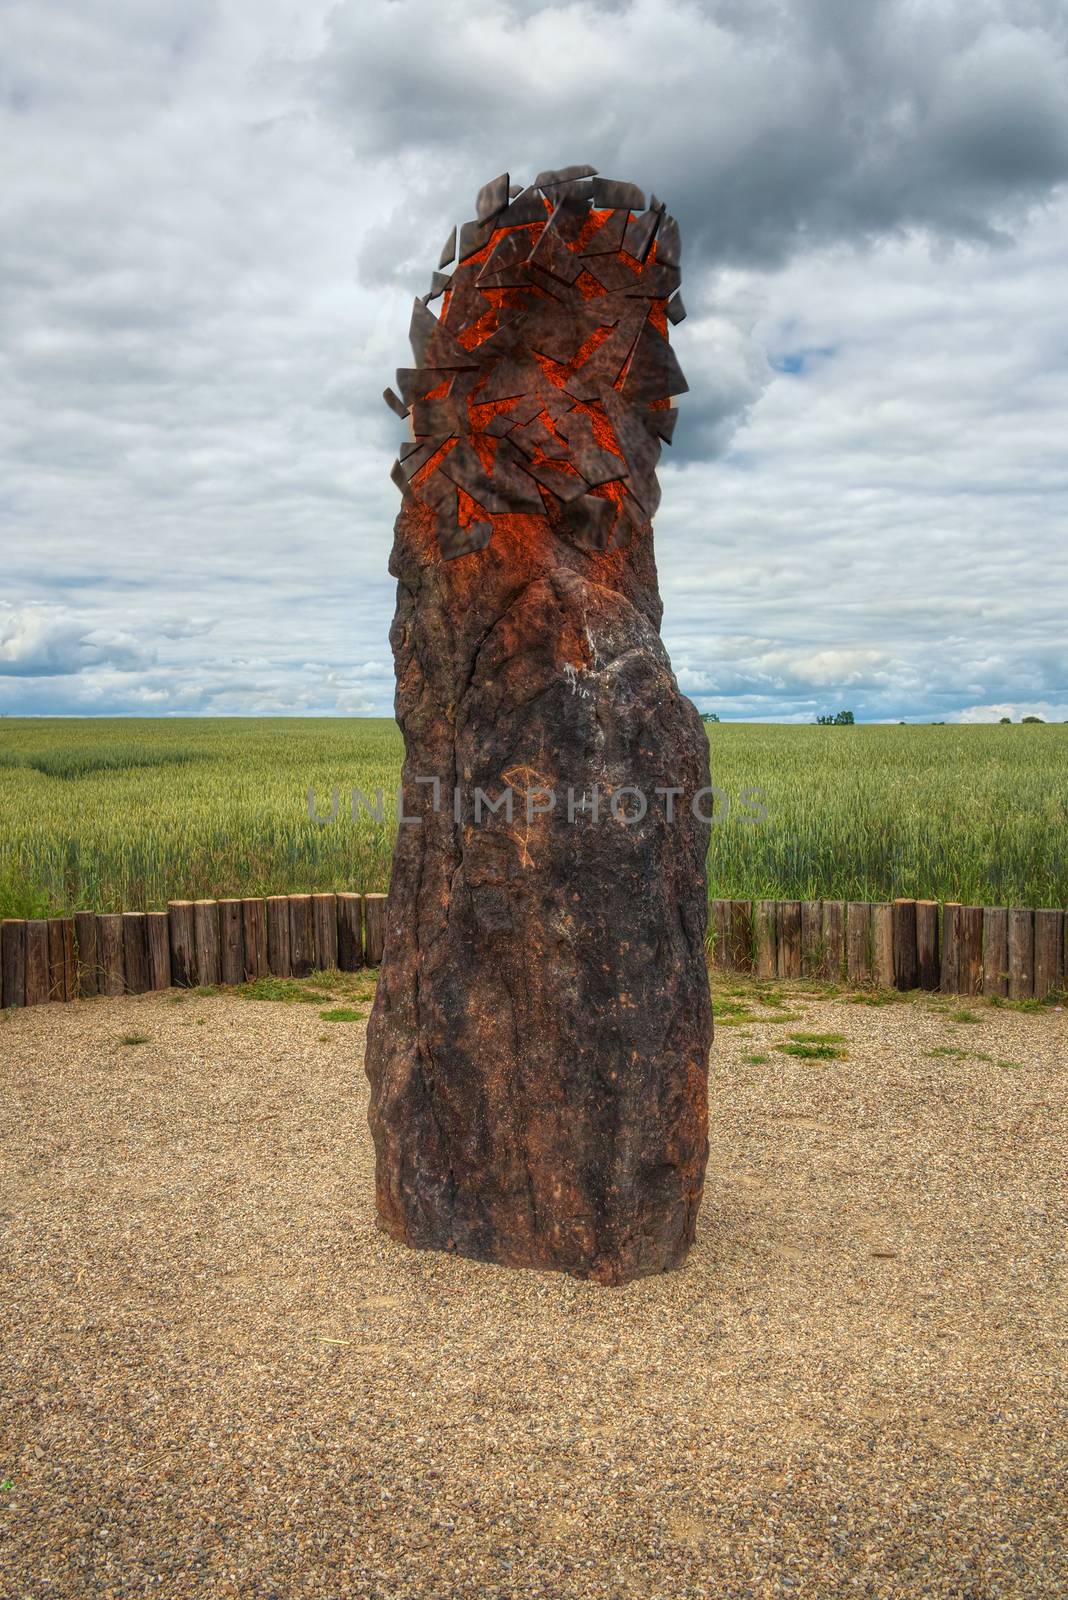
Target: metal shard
(609,192)
(457,541)
(654,372)
(552,176)
(662,423)
(589,521)
(639,234)
(492,197)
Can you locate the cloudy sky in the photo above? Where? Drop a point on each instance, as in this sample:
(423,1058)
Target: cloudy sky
(213,217)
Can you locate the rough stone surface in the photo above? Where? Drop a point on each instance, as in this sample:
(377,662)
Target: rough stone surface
(539,1043)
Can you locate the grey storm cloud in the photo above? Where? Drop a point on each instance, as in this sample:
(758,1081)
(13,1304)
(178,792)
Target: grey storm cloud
(212,220)
(769,128)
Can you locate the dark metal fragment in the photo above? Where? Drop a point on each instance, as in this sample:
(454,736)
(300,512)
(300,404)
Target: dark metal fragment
(436,419)
(639,234)
(569,216)
(432,343)
(611,272)
(654,372)
(532,436)
(669,243)
(526,208)
(457,541)
(585,454)
(510,377)
(640,449)
(394,402)
(609,236)
(557,175)
(500,269)
(655,282)
(556,477)
(589,521)
(417,453)
(473,235)
(553,256)
(415,383)
(449,251)
(662,423)
(610,192)
(510,477)
(492,197)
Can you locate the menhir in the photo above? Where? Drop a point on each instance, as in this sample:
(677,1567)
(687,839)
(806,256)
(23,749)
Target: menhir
(538,1046)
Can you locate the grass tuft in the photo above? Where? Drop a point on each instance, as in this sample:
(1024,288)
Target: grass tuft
(812,1052)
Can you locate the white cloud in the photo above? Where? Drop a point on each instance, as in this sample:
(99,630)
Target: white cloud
(47,642)
(213,220)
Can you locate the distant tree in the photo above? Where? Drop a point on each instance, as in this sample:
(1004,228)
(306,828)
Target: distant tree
(709,716)
(841,719)
(1006,719)
(1032,719)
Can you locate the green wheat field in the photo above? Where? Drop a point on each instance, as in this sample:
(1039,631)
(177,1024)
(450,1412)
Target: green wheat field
(126,814)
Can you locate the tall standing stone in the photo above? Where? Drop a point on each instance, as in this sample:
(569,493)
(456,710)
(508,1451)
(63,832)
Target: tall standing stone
(538,1046)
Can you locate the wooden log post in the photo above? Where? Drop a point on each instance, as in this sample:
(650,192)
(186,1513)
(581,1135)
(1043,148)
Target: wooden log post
(834,938)
(740,936)
(882,944)
(858,941)
(88,973)
(719,919)
(349,932)
(812,947)
(278,950)
(995,950)
(231,942)
(789,938)
(135,951)
(254,928)
(12,962)
(183,943)
(110,949)
(970,950)
(62,976)
(374,928)
(36,961)
(324,919)
(949,977)
(928,949)
(158,945)
(1021,953)
(906,958)
(1049,953)
(206,934)
(765,939)
(301,935)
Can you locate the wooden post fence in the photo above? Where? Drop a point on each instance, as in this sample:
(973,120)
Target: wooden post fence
(1018,954)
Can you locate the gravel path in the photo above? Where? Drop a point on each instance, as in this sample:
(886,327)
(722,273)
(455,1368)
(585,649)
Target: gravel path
(220,1380)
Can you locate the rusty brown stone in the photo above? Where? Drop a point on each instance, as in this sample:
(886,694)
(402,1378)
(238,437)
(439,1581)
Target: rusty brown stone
(538,1046)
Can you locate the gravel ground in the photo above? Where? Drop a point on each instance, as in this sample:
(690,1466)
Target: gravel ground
(219,1379)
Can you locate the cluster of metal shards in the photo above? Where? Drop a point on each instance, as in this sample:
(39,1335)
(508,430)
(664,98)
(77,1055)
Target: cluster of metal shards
(545,385)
